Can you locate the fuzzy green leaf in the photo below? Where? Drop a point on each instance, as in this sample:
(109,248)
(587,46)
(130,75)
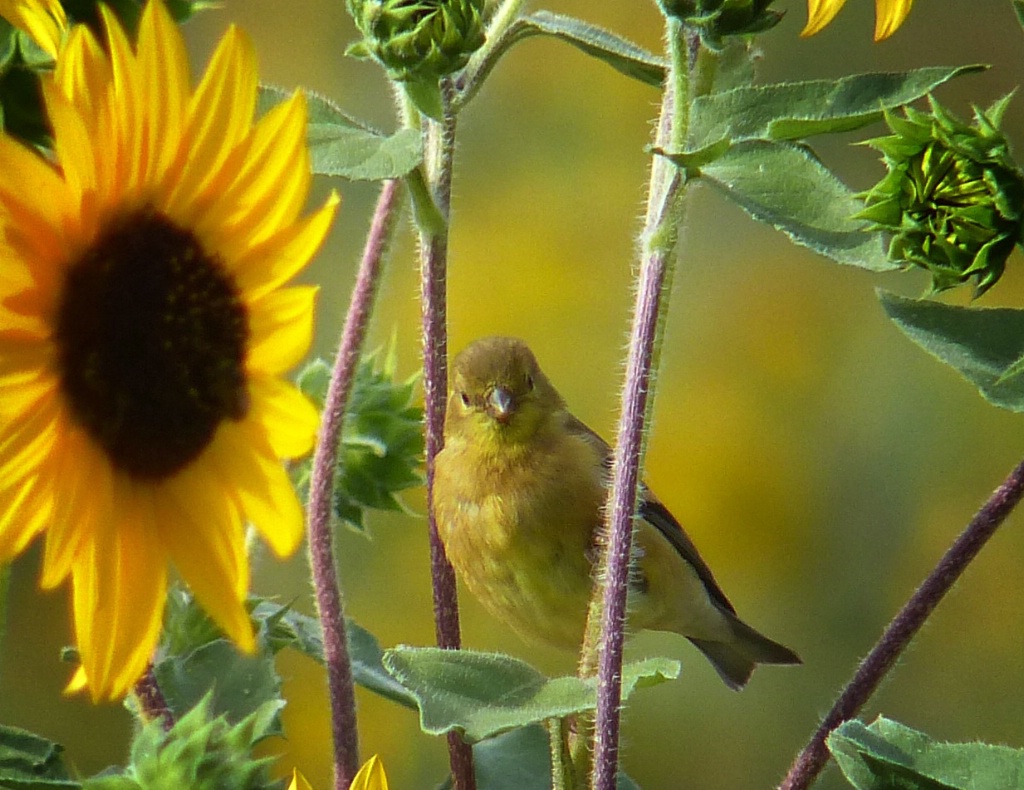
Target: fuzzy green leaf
(886,754)
(339,145)
(785,186)
(622,55)
(983,344)
(238,684)
(790,111)
(31,762)
(381,441)
(1018,7)
(287,628)
(482,694)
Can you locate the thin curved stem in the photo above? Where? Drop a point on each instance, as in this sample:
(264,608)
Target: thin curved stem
(812,760)
(439,158)
(663,218)
(329,600)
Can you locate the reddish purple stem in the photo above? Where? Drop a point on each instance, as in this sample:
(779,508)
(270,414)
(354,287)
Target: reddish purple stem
(904,626)
(434,312)
(625,476)
(321,491)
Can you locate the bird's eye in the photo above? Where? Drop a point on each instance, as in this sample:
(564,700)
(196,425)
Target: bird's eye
(529,382)
(465,398)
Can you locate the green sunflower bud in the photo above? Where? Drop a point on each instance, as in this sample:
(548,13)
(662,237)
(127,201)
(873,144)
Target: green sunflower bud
(953,197)
(417,40)
(203,753)
(716,19)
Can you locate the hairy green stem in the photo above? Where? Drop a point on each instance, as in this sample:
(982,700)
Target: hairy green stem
(663,216)
(439,151)
(812,760)
(329,601)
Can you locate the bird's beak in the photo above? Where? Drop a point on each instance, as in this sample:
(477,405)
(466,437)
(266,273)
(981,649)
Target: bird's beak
(501,404)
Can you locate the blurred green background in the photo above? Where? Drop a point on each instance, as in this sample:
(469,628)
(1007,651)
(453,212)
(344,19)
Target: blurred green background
(820,461)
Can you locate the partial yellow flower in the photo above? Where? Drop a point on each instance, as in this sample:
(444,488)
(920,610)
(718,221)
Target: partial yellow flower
(299,782)
(371,776)
(889,15)
(44,20)
(145,327)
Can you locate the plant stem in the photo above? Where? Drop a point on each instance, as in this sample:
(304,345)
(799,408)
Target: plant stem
(321,489)
(905,625)
(152,702)
(659,239)
(433,238)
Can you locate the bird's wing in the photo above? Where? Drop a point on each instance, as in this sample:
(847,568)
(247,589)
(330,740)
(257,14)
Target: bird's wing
(658,516)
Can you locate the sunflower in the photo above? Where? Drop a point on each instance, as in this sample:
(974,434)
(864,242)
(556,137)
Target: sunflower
(44,20)
(145,326)
(889,15)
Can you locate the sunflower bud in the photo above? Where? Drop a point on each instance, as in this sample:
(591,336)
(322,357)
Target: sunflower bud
(715,19)
(203,753)
(953,197)
(418,40)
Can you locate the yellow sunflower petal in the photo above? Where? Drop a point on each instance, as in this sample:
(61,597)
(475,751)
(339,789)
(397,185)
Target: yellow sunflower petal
(280,258)
(889,15)
(26,513)
(299,782)
(25,172)
(120,585)
(219,117)
(270,180)
(819,14)
(281,324)
(85,502)
(244,459)
(161,51)
(289,418)
(44,20)
(205,539)
(371,776)
(132,132)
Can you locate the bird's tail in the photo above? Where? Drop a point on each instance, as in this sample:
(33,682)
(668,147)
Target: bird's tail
(735,660)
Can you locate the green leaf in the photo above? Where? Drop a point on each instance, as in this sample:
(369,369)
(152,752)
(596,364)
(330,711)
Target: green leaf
(984,345)
(381,442)
(339,145)
(519,760)
(31,762)
(790,111)
(692,161)
(482,694)
(786,186)
(622,55)
(1018,7)
(887,755)
(287,628)
(238,684)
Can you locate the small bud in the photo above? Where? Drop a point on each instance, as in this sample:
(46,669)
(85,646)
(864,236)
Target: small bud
(202,752)
(418,40)
(953,197)
(716,19)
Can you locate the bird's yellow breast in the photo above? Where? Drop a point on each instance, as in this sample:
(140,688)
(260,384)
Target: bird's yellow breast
(519,535)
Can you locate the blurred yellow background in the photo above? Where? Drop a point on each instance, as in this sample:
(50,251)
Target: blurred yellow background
(820,461)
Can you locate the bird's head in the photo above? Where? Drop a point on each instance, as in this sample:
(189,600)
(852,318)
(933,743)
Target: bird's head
(499,392)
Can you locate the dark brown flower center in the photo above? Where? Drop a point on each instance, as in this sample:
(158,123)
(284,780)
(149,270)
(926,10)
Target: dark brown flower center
(151,336)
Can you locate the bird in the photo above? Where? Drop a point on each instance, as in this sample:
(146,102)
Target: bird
(519,492)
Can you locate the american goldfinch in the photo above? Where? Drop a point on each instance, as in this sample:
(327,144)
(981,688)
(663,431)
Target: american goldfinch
(518,495)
